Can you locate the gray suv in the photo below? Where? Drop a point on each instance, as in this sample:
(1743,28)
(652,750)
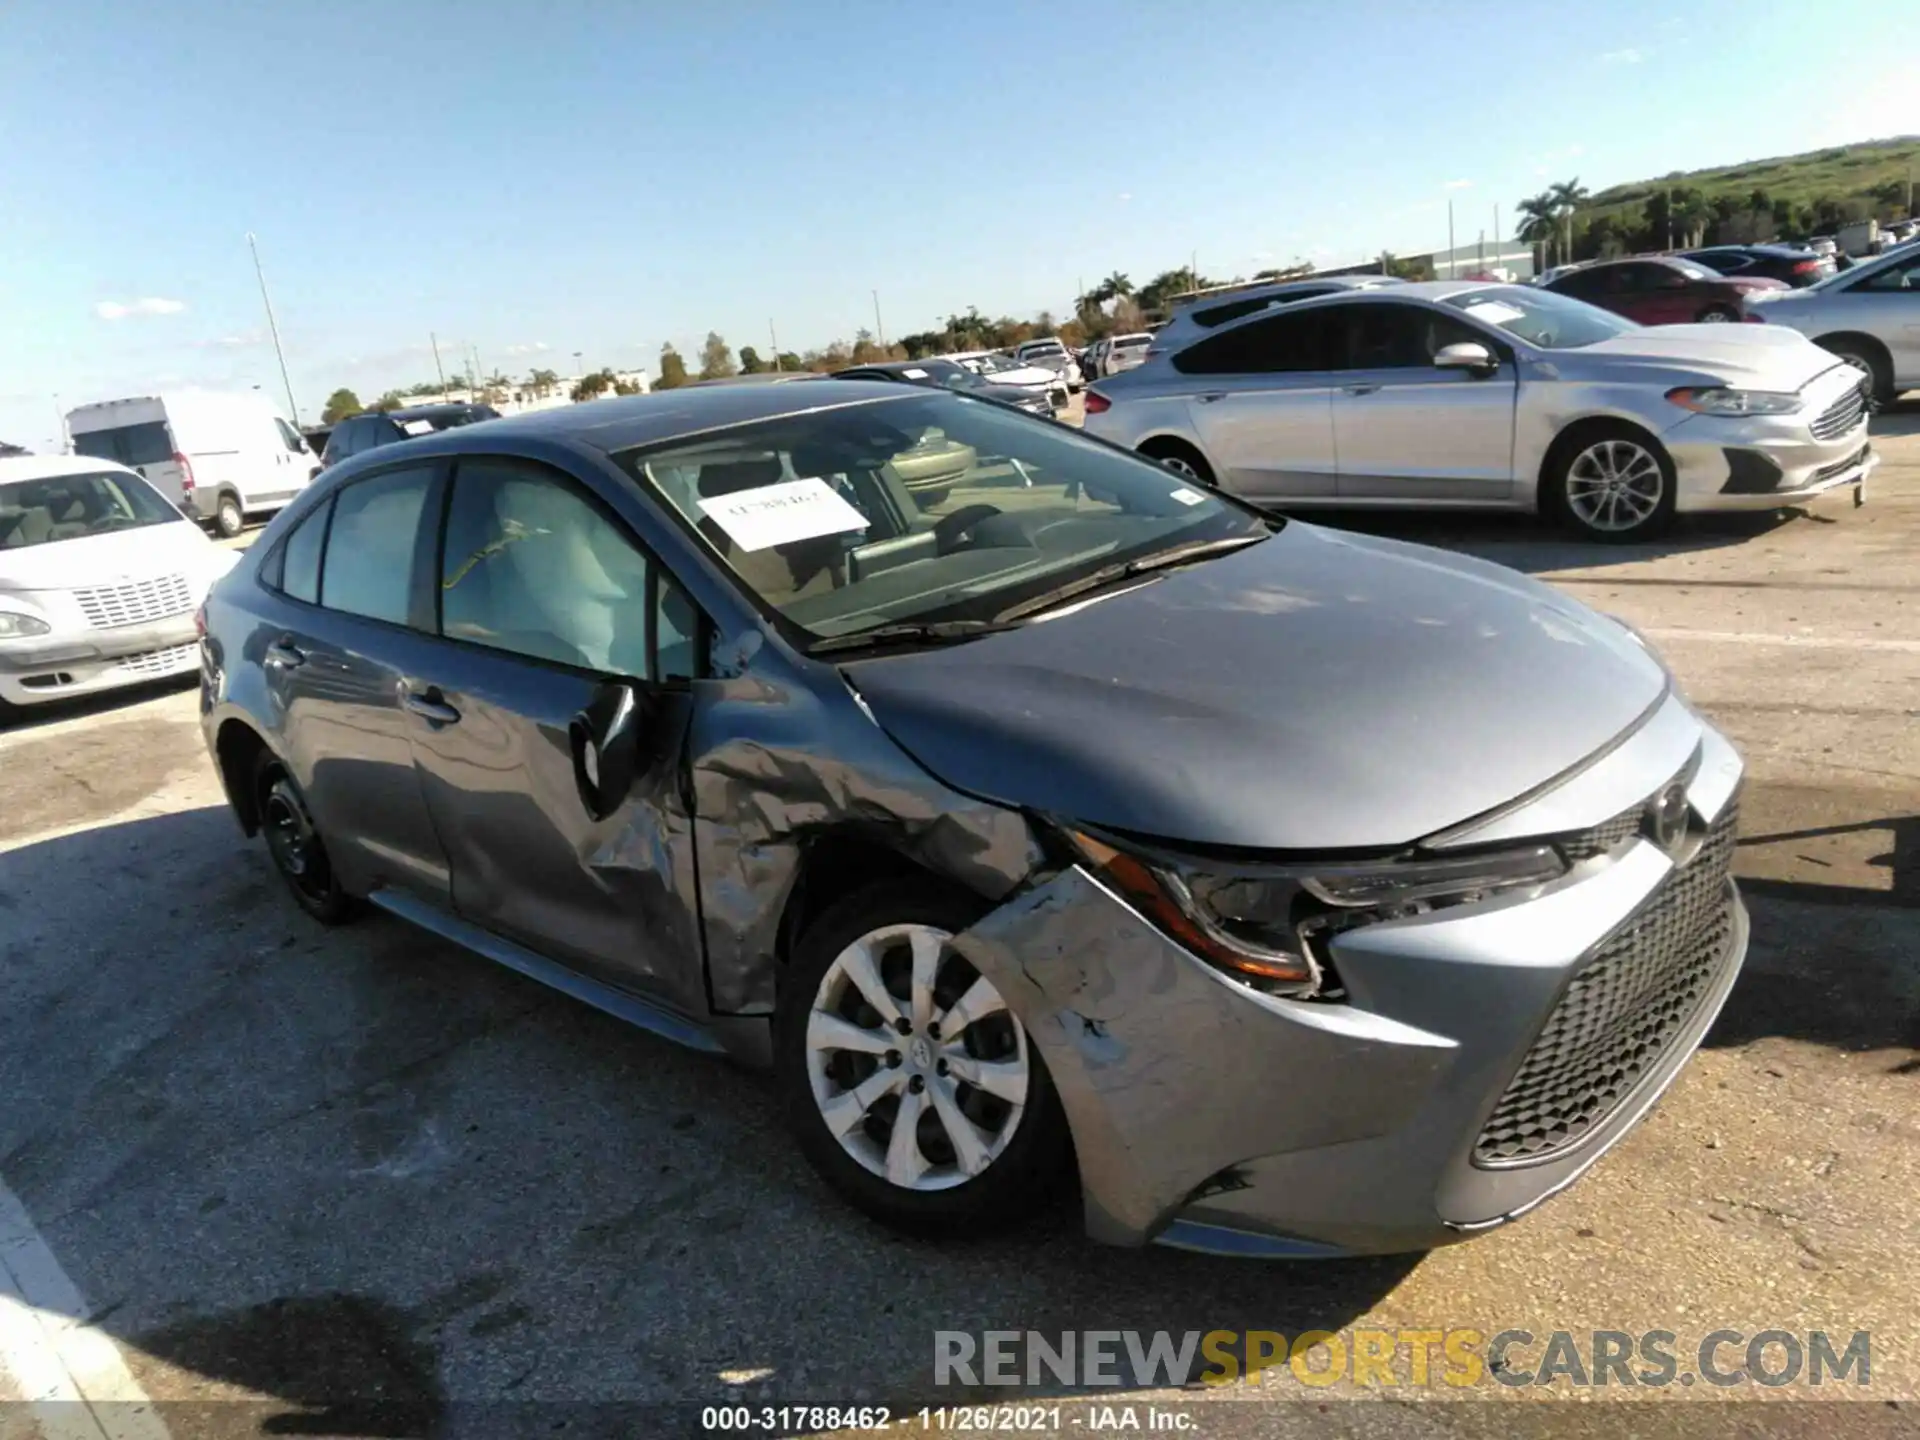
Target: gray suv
(1297,893)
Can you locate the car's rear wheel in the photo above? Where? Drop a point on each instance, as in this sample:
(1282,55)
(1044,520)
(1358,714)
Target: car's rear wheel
(228,518)
(298,852)
(1717,315)
(1179,457)
(913,1089)
(1610,482)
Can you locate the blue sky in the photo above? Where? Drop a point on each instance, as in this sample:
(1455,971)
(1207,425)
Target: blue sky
(602,178)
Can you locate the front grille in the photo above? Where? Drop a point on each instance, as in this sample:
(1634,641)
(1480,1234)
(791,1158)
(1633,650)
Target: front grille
(106,606)
(1619,1015)
(158,662)
(1839,467)
(1841,416)
(1607,836)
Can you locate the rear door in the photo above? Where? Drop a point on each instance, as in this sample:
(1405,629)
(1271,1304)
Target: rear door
(1405,430)
(145,446)
(1260,397)
(544,598)
(1886,305)
(352,581)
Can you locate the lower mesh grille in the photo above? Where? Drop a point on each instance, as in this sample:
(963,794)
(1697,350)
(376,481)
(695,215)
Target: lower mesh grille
(1619,1015)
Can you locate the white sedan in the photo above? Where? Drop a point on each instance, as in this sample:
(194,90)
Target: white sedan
(99,580)
(1005,370)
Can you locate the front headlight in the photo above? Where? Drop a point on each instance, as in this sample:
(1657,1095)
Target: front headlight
(1722,400)
(16,627)
(1270,925)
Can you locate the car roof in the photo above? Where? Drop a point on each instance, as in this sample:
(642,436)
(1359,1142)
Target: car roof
(433,412)
(627,421)
(45,467)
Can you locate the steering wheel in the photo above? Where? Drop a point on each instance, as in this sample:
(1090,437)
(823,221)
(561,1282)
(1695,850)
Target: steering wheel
(952,530)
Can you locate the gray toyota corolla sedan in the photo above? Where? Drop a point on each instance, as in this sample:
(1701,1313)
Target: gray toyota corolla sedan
(1292,892)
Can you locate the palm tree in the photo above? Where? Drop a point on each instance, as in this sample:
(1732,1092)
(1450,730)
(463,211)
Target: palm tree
(1690,215)
(1568,196)
(1114,286)
(1538,225)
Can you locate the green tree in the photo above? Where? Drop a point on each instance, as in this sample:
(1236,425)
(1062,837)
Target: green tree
(1568,196)
(591,386)
(673,370)
(1538,226)
(1690,216)
(543,382)
(392,400)
(716,360)
(625,387)
(1113,287)
(864,351)
(750,361)
(787,360)
(340,404)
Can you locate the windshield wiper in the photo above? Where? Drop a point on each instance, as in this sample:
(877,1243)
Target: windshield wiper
(1123,570)
(933,632)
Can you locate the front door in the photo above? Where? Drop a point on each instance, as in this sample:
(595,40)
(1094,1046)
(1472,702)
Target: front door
(1404,430)
(333,666)
(544,598)
(1260,397)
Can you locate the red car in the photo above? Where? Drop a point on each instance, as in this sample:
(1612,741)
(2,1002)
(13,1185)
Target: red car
(1661,290)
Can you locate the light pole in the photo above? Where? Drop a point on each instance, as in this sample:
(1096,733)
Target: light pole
(273,327)
(60,419)
(774,340)
(1450,266)
(579,368)
(438,368)
(879,329)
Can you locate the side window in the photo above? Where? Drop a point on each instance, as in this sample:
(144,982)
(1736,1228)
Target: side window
(1284,343)
(288,436)
(300,556)
(368,566)
(1904,278)
(1388,337)
(530,565)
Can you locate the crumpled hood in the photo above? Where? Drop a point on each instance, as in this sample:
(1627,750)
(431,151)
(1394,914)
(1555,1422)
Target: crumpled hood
(1319,691)
(1755,356)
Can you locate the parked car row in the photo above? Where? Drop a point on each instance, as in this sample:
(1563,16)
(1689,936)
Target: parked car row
(1465,395)
(1022,839)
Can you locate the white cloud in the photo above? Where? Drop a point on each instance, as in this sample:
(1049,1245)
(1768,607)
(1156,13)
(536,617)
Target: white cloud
(536,348)
(245,340)
(150,305)
(1125,195)
(1628,56)
(1459,185)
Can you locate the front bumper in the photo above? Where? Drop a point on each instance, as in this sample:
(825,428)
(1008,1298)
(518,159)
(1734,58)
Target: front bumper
(1762,462)
(53,667)
(1208,1115)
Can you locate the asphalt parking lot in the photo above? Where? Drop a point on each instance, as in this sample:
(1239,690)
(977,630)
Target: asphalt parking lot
(305,1168)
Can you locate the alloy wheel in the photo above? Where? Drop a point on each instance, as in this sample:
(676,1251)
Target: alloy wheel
(1715,317)
(918,1068)
(1614,485)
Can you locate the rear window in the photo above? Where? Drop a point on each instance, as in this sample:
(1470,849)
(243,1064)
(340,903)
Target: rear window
(147,444)
(1132,342)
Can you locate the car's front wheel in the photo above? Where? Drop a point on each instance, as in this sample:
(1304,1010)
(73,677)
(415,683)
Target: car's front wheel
(298,852)
(1179,457)
(1717,315)
(913,1089)
(1610,482)
(1876,373)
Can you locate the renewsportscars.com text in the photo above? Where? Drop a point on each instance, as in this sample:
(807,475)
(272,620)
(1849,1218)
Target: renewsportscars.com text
(1458,1358)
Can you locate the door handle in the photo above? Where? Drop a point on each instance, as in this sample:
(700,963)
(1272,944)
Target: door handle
(285,654)
(1210,396)
(429,704)
(1364,388)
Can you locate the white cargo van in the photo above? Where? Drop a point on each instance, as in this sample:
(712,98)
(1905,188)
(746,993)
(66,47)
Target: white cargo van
(218,457)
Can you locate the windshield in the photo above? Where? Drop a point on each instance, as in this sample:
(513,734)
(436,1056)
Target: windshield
(1048,349)
(1132,342)
(1694,270)
(940,372)
(930,506)
(1542,317)
(68,507)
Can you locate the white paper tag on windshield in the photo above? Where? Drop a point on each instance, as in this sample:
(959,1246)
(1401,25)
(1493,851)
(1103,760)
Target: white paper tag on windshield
(1495,312)
(417,427)
(1186,496)
(914,374)
(779,514)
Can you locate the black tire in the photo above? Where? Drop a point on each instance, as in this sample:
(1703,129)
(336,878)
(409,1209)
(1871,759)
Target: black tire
(1717,314)
(287,825)
(1570,450)
(1869,360)
(1030,1173)
(228,518)
(1179,457)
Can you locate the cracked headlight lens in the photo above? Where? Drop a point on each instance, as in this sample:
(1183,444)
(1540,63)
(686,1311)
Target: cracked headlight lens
(1269,925)
(14,626)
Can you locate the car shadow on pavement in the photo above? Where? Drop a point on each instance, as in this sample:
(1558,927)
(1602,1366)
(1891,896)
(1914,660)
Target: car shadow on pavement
(1848,975)
(1527,543)
(340,1169)
(1900,418)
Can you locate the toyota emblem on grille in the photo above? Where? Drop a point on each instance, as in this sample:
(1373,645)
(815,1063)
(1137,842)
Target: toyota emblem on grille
(1667,817)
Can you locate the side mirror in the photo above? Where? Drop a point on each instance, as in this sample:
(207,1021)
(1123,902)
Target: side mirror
(606,740)
(1467,355)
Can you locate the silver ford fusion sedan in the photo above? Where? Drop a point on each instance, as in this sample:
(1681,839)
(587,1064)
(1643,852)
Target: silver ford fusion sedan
(1293,892)
(1462,395)
(1869,316)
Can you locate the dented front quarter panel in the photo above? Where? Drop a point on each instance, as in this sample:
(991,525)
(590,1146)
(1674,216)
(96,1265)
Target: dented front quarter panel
(1169,1072)
(782,754)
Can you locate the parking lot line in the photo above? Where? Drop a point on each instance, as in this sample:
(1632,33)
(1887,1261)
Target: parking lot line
(1814,642)
(71,1374)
